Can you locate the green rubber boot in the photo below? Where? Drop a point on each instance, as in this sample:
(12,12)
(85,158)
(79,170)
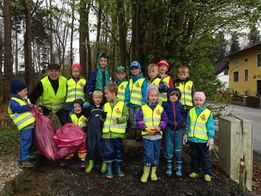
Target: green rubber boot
(89,166)
(153,175)
(103,167)
(145,175)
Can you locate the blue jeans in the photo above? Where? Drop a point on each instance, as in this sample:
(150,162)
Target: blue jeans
(25,144)
(112,150)
(151,152)
(173,143)
(200,154)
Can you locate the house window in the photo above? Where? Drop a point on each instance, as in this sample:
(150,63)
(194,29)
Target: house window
(246,74)
(236,62)
(259,60)
(236,76)
(246,60)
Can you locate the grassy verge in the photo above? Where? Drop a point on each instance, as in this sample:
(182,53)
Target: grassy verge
(9,141)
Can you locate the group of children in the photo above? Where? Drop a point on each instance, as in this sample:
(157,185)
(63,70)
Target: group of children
(162,112)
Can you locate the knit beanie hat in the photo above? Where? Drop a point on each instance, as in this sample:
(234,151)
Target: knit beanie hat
(200,95)
(150,89)
(76,66)
(16,86)
(170,90)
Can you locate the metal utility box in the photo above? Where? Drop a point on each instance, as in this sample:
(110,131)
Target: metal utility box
(236,149)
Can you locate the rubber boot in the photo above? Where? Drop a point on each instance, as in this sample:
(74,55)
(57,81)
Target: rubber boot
(109,170)
(118,169)
(169,168)
(153,175)
(103,167)
(179,170)
(145,175)
(89,166)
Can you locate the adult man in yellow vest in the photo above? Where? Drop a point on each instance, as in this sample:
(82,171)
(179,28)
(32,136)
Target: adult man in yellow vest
(51,90)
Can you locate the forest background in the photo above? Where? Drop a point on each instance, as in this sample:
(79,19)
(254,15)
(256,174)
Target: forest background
(197,33)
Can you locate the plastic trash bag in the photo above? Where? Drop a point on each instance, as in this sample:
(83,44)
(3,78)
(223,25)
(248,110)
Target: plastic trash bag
(68,139)
(43,135)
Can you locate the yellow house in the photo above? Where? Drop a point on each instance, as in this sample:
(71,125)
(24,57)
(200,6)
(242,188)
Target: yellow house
(245,71)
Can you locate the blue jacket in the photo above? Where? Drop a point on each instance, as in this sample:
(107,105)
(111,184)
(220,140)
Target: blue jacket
(92,81)
(210,126)
(16,108)
(143,90)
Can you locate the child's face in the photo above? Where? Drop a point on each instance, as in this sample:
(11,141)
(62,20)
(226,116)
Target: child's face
(153,72)
(198,102)
(163,69)
(120,75)
(109,95)
(77,108)
(135,71)
(153,96)
(53,73)
(76,72)
(23,93)
(173,97)
(97,99)
(183,75)
(103,62)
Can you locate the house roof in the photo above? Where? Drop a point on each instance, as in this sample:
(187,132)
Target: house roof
(246,48)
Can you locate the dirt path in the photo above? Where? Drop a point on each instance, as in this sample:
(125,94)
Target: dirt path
(49,179)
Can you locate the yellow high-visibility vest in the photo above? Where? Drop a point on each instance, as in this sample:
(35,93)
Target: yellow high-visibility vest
(163,96)
(198,123)
(155,82)
(135,91)
(75,89)
(81,121)
(112,113)
(186,91)
(122,89)
(151,118)
(21,120)
(51,100)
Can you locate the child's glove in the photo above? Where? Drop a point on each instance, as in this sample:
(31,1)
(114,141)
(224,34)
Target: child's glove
(210,143)
(185,139)
(31,106)
(150,130)
(86,105)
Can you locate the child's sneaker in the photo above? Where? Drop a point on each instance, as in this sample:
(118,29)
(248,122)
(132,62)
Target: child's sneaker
(193,175)
(83,164)
(26,164)
(207,178)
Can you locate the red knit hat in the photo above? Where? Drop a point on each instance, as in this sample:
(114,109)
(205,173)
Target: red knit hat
(76,66)
(163,62)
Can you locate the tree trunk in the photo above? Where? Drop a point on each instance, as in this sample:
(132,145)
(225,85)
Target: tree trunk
(52,58)
(28,45)
(1,64)
(8,66)
(72,30)
(16,50)
(89,59)
(99,18)
(82,39)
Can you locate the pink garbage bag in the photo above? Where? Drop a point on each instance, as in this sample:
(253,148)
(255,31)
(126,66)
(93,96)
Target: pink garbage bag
(68,138)
(43,135)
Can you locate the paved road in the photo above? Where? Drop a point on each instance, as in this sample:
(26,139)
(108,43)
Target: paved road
(253,115)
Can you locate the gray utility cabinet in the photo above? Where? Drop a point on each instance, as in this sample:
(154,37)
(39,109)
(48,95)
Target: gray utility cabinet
(236,149)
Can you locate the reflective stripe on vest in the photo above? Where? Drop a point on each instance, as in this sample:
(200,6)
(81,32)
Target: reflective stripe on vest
(51,100)
(151,118)
(135,91)
(116,112)
(186,91)
(75,89)
(198,124)
(21,120)
(78,121)
(163,96)
(122,89)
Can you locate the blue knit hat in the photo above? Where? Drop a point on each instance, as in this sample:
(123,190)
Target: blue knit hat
(135,64)
(170,90)
(17,85)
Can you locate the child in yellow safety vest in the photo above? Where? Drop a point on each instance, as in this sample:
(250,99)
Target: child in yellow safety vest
(123,84)
(152,119)
(76,86)
(114,129)
(186,87)
(200,132)
(19,111)
(78,118)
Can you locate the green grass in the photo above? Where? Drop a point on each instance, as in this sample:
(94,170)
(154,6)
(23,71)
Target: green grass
(9,140)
